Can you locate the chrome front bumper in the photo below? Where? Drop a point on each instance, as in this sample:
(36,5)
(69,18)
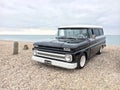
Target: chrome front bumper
(56,63)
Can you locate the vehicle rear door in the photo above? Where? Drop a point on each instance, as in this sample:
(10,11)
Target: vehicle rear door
(93,42)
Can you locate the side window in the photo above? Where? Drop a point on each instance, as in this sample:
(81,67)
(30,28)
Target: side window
(96,32)
(101,31)
(90,33)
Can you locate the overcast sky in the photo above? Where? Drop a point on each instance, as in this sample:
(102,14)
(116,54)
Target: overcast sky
(50,14)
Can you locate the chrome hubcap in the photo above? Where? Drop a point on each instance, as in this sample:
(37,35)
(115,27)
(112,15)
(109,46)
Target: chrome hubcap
(82,61)
(100,49)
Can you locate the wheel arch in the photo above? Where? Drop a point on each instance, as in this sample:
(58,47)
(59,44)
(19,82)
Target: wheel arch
(86,54)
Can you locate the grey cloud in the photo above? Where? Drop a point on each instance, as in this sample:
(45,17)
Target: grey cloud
(54,13)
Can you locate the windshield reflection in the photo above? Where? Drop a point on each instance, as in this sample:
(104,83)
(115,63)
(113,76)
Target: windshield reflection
(72,33)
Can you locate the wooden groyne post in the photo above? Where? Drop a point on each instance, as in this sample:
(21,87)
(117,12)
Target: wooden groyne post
(15,48)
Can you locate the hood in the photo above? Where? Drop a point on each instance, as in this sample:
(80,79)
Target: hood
(62,43)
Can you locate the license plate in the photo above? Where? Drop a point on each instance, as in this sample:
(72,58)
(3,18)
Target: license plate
(48,62)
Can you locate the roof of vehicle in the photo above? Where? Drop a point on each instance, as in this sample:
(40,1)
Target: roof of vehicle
(81,26)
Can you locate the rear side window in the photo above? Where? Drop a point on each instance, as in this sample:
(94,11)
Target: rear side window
(96,32)
(101,31)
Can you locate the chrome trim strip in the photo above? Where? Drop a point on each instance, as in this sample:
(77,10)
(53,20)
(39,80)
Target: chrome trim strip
(90,46)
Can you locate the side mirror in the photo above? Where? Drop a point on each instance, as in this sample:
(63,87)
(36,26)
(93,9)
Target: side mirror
(93,36)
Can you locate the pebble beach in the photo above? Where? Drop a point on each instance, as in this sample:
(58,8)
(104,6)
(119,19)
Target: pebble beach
(19,72)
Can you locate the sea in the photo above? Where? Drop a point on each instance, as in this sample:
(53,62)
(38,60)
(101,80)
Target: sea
(110,39)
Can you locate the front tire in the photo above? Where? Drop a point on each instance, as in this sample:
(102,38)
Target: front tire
(81,62)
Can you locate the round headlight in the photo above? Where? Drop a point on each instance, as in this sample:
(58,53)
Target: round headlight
(35,52)
(68,58)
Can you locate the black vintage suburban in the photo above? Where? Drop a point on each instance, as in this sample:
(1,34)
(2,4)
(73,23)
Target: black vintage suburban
(72,48)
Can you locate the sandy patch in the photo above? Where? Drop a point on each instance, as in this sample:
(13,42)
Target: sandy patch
(19,72)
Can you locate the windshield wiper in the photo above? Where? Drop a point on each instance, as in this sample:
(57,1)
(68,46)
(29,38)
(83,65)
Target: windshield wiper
(71,38)
(63,37)
(75,38)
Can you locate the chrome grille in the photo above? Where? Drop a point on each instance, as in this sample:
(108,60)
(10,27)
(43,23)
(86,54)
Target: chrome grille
(51,55)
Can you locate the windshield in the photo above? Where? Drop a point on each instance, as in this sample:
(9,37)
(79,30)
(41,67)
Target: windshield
(72,33)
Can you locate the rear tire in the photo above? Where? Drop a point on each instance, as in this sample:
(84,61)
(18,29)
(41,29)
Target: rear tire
(81,61)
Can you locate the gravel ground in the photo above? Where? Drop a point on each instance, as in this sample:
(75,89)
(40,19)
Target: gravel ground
(19,72)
